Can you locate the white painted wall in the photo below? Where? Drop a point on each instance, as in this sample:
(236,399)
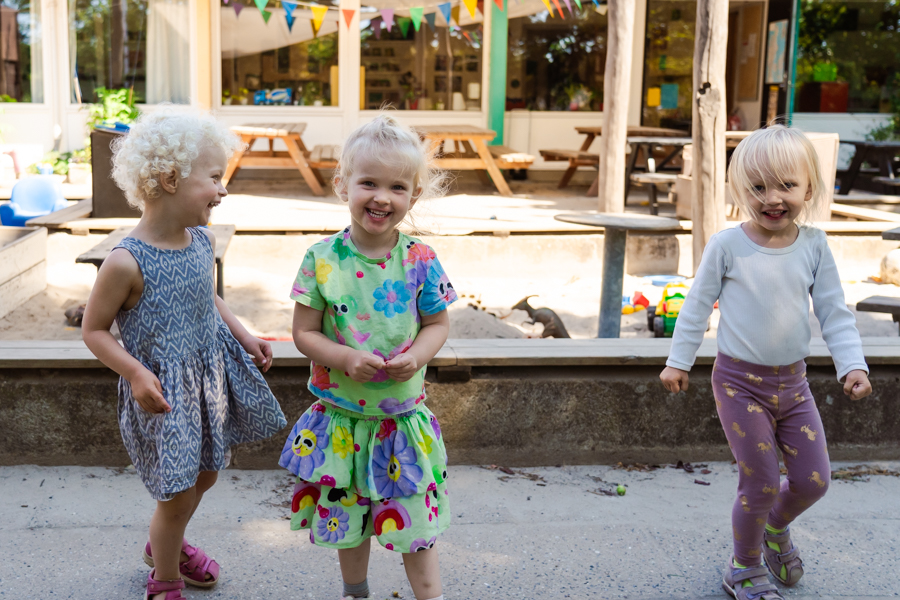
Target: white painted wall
(849,126)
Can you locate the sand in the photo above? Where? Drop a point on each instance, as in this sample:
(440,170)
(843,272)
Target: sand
(260,270)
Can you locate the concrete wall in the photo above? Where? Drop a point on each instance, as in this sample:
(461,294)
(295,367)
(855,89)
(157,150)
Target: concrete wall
(512,416)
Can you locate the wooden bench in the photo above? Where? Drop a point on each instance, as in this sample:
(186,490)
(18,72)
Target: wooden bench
(324,157)
(96,255)
(575,158)
(79,210)
(881,304)
(652,180)
(507,158)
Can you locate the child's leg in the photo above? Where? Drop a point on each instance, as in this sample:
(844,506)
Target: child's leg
(355,569)
(802,440)
(424,573)
(205,480)
(749,428)
(167,530)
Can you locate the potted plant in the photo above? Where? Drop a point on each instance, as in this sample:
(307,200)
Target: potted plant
(226,97)
(54,164)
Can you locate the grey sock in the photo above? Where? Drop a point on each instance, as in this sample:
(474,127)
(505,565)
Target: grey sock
(357,590)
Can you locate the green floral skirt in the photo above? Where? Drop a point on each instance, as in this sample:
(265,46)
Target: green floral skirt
(359,476)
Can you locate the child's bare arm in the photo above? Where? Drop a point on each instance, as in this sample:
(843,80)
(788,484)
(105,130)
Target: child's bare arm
(309,339)
(119,284)
(434,332)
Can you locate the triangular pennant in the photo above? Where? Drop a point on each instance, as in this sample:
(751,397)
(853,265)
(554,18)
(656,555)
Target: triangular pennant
(238,7)
(569,6)
(376,27)
(597,3)
(429,18)
(416,14)
(549,8)
(578,3)
(404,22)
(261,4)
(288,7)
(445,10)
(348,15)
(388,15)
(499,4)
(559,9)
(470,6)
(319,13)
(479,4)
(225,1)
(467,36)
(290,20)
(266,16)
(314,28)
(454,14)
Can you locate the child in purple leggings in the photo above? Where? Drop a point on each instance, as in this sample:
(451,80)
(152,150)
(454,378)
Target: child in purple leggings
(763,273)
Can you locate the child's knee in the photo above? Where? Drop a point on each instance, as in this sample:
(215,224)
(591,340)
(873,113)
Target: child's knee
(205,480)
(810,487)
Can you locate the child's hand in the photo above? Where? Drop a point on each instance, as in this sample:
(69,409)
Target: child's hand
(856,385)
(361,366)
(675,380)
(402,368)
(147,391)
(260,350)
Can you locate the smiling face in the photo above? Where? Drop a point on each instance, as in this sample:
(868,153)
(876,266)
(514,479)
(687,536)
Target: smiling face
(379,199)
(202,190)
(776,204)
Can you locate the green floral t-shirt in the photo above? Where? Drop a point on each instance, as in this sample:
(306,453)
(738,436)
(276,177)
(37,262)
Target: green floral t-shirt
(374,305)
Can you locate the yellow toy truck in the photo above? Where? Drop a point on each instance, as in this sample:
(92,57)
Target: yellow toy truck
(661,318)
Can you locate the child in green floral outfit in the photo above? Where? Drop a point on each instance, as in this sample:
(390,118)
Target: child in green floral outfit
(371,312)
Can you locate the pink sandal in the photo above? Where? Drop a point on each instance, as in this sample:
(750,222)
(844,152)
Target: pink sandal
(172,588)
(195,569)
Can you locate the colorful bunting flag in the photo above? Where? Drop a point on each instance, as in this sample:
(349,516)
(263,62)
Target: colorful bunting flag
(238,7)
(289,17)
(388,15)
(289,6)
(559,9)
(348,15)
(454,13)
(569,6)
(416,14)
(266,15)
(578,3)
(445,10)
(404,22)
(499,4)
(430,19)
(261,5)
(319,13)
(466,35)
(225,1)
(479,4)
(376,27)
(549,8)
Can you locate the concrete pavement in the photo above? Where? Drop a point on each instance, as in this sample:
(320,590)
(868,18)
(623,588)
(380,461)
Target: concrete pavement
(77,532)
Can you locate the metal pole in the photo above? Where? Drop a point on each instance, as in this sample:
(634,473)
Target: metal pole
(792,63)
(611,287)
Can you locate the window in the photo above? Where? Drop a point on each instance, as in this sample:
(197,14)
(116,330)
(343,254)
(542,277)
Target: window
(555,63)
(669,64)
(21,53)
(848,56)
(142,45)
(437,68)
(282,60)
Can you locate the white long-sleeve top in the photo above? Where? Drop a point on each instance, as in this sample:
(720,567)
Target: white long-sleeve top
(763,298)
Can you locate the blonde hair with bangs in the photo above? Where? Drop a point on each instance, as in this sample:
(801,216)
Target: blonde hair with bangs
(774,156)
(395,147)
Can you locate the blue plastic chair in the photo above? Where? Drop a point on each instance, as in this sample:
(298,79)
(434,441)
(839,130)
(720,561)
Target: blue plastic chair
(32,197)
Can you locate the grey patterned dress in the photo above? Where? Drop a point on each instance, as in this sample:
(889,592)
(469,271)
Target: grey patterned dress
(218,396)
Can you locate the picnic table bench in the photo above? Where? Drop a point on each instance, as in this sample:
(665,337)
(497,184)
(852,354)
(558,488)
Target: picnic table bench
(881,152)
(96,255)
(883,304)
(297,155)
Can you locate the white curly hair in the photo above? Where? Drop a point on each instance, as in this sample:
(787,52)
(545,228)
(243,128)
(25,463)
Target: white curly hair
(165,141)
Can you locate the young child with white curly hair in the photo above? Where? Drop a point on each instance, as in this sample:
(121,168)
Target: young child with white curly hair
(189,389)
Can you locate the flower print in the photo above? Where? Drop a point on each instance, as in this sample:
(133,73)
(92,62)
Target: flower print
(298,290)
(322,270)
(327,480)
(333,526)
(342,441)
(386,428)
(309,438)
(307,273)
(394,467)
(425,444)
(418,253)
(436,426)
(321,377)
(392,298)
(341,247)
(416,277)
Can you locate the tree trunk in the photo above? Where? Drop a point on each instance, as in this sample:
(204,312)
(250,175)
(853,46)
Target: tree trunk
(616,84)
(708,200)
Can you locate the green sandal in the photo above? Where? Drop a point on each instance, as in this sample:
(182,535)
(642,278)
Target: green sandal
(761,588)
(786,567)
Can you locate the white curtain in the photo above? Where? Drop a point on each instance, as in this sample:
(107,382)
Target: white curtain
(168,52)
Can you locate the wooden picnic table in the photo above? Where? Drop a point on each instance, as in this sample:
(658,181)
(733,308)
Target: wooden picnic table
(471,151)
(96,255)
(881,152)
(615,233)
(297,155)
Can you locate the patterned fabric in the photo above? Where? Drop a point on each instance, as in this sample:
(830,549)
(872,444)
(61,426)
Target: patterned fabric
(360,476)
(218,396)
(371,304)
(763,408)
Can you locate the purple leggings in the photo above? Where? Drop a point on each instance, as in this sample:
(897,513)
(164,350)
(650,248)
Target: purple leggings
(762,408)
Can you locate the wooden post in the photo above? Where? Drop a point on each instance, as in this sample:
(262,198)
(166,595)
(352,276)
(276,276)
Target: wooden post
(708,198)
(616,85)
